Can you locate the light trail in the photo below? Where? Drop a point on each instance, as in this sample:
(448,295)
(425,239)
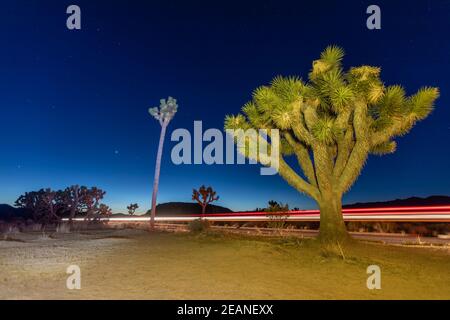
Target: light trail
(393,214)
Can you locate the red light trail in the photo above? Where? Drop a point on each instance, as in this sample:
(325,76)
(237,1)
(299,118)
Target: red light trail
(393,214)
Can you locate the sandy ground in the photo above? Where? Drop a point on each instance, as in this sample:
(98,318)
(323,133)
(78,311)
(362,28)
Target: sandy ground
(133,264)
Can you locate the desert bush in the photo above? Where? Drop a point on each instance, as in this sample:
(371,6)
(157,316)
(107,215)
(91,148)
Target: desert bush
(198,225)
(44,236)
(63,228)
(385,227)
(12,229)
(277,221)
(419,230)
(32,227)
(332,250)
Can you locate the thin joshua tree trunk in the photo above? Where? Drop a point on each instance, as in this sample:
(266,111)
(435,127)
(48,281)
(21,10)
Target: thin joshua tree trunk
(157,171)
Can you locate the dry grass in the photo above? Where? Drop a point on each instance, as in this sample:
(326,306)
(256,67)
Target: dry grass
(133,264)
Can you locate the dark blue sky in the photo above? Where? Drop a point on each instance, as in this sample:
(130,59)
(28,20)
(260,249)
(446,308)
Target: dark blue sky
(74,103)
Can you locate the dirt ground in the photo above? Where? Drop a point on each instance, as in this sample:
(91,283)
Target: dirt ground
(135,264)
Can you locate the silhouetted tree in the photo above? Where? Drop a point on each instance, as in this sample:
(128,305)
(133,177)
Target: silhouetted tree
(204,196)
(73,200)
(49,206)
(104,211)
(91,201)
(45,205)
(32,201)
(331,124)
(164,114)
(132,208)
(52,202)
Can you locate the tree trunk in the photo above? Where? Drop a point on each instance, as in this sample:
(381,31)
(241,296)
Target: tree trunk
(75,203)
(332,226)
(157,171)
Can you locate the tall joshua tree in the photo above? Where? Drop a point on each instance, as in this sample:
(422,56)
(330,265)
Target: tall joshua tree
(164,114)
(204,196)
(331,124)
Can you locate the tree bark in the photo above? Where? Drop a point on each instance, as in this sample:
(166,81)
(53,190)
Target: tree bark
(332,226)
(157,171)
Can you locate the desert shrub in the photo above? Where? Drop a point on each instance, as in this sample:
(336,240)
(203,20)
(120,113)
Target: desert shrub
(306,225)
(359,226)
(332,250)
(63,228)
(198,225)
(8,231)
(44,236)
(419,230)
(80,226)
(32,227)
(385,227)
(36,227)
(12,229)
(277,221)
(439,228)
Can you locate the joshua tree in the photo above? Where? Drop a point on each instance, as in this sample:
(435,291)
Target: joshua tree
(104,210)
(72,199)
(48,206)
(132,208)
(52,203)
(32,201)
(45,205)
(91,201)
(204,196)
(331,124)
(164,114)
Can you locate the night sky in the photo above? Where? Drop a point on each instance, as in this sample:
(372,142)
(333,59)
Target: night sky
(74,103)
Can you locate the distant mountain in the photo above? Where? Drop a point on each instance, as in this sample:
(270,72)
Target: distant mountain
(8,213)
(413,201)
(118,215)
(171,209)
(183,208)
